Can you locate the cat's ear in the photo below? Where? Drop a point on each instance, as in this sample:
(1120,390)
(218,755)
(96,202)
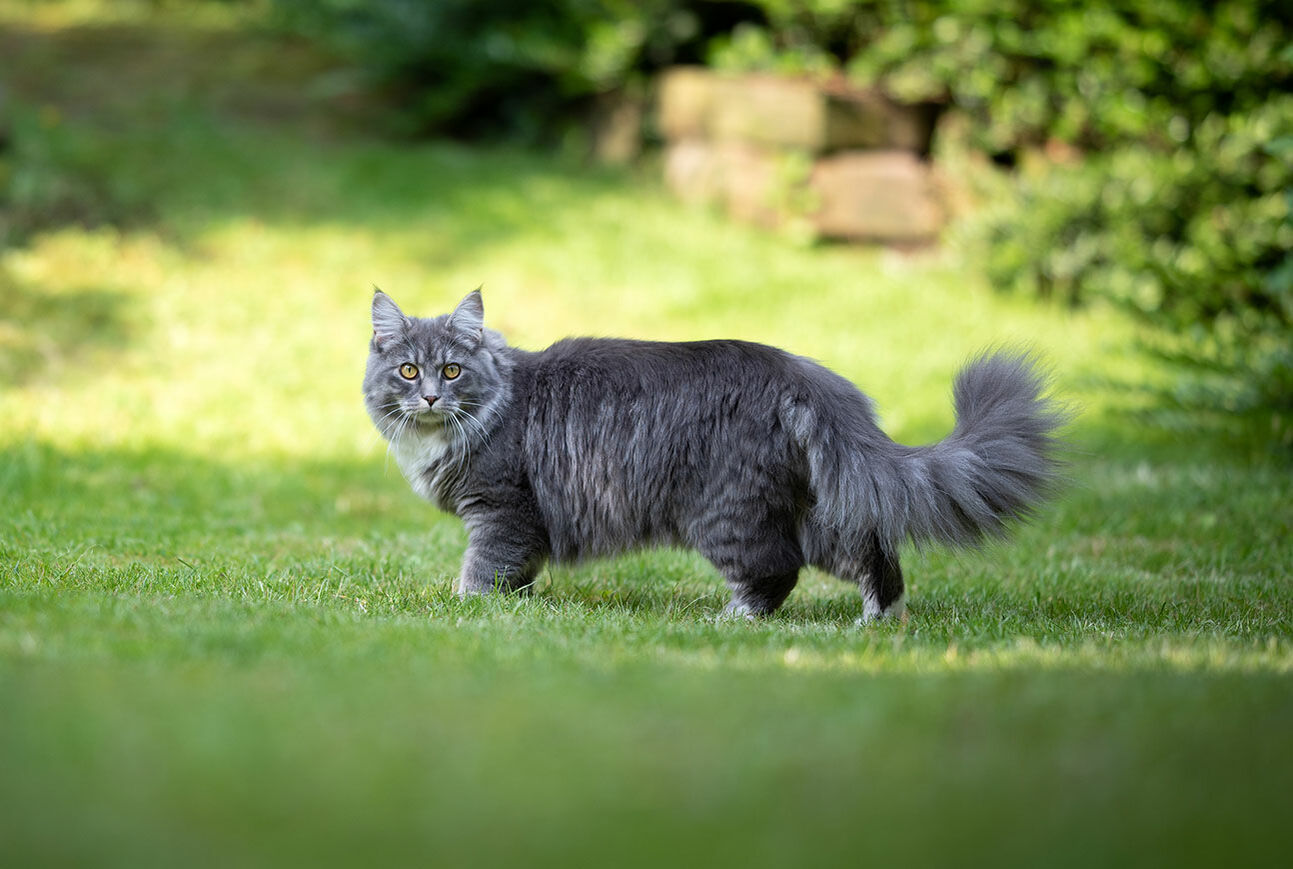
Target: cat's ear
(388,320)
(468,319)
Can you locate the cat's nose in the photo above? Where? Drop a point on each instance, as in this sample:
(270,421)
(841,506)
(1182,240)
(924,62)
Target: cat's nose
(430,399)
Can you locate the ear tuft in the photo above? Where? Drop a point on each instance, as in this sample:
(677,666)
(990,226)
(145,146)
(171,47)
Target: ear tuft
(388,319)
(468,319)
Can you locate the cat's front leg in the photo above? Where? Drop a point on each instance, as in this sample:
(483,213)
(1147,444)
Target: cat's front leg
(503,554)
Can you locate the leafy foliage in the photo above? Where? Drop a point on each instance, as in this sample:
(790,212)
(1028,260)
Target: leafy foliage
(1193,243)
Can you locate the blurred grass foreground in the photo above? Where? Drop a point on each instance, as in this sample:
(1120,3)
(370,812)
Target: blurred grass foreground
(227,632)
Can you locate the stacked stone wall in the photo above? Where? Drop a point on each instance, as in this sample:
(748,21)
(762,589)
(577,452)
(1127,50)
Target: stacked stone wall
(850,165)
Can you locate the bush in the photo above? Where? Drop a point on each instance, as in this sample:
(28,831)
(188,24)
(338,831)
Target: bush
(1197,255)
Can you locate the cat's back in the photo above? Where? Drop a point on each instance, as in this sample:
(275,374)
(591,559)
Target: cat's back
(589,364)
(730,374)
(624,440)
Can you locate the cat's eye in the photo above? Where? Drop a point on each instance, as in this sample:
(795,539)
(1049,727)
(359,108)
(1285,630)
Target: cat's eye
(408,371)
(451,371)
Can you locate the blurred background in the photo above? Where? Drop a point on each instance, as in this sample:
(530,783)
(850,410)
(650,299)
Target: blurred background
(158,156)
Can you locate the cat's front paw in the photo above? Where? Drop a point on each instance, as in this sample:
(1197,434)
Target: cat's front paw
(739,612)
(499,582)
(465,589)
(871,613)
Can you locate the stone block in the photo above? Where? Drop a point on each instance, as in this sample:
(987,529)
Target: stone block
(877,196)
(799,113)
(693,171)
(685,102)
(752,183)
(881,196)
(745,180)
(695,103)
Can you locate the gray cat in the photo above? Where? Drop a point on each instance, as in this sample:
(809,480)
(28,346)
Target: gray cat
(761,460)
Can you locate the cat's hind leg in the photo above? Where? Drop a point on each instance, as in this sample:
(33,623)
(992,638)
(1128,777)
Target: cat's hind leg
(883,592)
(875,569)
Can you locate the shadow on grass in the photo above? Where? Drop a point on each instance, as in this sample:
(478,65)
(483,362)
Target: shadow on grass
(123,72)
(175,131)
(45,334)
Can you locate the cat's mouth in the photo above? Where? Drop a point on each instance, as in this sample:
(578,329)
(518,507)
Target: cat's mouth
(402,418)
(430,417)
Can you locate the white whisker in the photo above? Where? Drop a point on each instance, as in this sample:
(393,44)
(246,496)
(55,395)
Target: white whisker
(479,427)
(492,414)
(391,437)
(378,422)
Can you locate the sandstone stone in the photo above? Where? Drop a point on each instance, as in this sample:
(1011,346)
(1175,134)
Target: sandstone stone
(744,179)
(798,113)
(751,182)
(693,171)
(695,103)
(876,195)
(685,102)
(882,196)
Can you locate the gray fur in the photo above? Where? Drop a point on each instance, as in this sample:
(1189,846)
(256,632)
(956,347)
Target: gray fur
(760,460)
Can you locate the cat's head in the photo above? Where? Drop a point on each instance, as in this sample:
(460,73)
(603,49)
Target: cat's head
(432,374)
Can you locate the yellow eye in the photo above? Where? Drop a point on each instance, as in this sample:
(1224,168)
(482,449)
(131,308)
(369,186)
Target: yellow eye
(451,371)
(408,371)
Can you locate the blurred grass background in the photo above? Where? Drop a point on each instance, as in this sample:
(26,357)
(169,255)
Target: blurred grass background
(226,628)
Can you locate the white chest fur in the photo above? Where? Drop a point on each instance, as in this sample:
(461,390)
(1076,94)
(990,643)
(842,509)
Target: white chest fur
(419,457)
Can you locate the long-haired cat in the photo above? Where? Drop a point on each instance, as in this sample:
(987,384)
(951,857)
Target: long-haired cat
(761,460)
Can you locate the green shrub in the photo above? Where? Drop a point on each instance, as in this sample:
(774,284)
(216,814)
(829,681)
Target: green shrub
(1199,257)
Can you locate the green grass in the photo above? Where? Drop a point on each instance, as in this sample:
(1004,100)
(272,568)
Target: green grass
(227,633)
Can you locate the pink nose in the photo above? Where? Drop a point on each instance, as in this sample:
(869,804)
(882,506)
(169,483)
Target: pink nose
(430,399)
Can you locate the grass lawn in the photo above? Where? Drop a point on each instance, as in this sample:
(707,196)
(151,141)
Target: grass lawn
(227,633)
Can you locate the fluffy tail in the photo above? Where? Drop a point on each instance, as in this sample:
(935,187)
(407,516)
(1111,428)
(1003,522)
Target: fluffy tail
(995,467)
